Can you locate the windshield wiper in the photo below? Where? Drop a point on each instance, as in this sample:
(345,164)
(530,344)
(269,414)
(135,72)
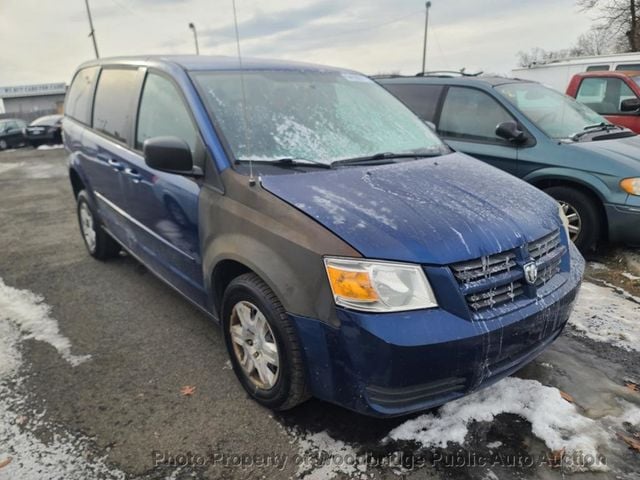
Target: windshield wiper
(286,162)
(602,126)
(383,157)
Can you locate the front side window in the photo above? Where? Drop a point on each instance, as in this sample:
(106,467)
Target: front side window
(471,114)
(78,101)
(113,104)
(556,114)
(604,95)
(163,113)
(311,115)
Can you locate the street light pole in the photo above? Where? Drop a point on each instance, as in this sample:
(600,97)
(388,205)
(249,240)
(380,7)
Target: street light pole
(195,37)
(426,27)
(92,34)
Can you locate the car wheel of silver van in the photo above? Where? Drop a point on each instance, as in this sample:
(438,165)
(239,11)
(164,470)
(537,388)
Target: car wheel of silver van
(99,243)
(262,344)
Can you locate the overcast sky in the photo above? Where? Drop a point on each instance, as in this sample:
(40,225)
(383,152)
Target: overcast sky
(43,41)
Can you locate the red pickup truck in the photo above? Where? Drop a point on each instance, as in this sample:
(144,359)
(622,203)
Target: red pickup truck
(613,94)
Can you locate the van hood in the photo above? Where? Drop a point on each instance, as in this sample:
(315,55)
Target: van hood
(436,210)
(618,152)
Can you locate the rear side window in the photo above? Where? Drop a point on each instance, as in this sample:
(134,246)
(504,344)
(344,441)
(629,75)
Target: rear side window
(630,66)
(78,101)
(163,113)
(422,99)
(597,68)
(113,105)
(471,114)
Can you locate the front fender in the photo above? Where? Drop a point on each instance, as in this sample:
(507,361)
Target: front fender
(585,179)
(275,240)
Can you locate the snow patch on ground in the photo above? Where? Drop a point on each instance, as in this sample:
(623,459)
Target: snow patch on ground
(607,316)
(554,420)
(630,276)
(50,147)
(64,456)
(326,458)
(598,266)
(32,316)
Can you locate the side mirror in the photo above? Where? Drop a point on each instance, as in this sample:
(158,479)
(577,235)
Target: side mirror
(511,132)
(630,105)
(168,154)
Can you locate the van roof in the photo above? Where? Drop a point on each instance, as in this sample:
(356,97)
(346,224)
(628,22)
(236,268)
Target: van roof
(211,62)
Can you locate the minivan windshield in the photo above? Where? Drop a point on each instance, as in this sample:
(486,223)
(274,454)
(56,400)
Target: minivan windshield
(557,115)
(312,116)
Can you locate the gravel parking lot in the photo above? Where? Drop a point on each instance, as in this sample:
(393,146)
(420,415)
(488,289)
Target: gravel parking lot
(95,358)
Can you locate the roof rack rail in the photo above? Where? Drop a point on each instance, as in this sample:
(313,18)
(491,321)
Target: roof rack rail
(448,73)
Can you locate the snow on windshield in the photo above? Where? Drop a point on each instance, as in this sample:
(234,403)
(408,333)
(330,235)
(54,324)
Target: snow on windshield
(309,115)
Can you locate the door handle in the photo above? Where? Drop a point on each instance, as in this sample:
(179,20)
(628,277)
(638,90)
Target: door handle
(116,165)
(133,174)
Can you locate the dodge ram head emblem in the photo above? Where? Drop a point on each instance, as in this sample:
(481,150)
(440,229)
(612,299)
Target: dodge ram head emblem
(530,272)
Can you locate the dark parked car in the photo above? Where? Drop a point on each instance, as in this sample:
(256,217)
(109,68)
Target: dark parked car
(345,250)
(45,130)
(11,133)
(544,137)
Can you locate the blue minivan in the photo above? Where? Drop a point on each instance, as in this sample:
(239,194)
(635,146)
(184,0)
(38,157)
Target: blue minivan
(345,250)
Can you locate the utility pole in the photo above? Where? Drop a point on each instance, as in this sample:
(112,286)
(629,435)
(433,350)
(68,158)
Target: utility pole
(195,37)
(92,34)
(426,28)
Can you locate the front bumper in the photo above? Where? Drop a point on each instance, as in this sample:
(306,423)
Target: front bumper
(624,223)
(398,363)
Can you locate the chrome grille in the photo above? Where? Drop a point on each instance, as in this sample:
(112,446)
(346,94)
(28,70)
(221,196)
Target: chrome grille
(547,253)
(545,246)
(495,296)
(492,280)
(484,267)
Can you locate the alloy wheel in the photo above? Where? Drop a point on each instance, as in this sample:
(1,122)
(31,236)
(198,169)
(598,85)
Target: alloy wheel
(87,227)
(575,222)
(254,345)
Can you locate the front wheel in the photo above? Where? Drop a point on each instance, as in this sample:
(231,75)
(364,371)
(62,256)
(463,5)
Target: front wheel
(99,243)
(3,145)
(582,213)
(262,344)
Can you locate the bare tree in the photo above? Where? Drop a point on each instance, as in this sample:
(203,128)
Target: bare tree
(619,18)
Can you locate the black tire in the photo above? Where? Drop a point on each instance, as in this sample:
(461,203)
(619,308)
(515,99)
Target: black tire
(3,145)
(104,246)
(588,212)
(290,388)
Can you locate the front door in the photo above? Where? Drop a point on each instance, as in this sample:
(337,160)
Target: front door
(468,122)
(163,206)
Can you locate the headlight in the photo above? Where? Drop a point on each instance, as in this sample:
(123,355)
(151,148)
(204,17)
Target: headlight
(631,186)
(565,220)
(375,286)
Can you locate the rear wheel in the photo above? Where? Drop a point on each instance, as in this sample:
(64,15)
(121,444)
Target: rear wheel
(99,243)
(3,144)
(262,344)
(585,222)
